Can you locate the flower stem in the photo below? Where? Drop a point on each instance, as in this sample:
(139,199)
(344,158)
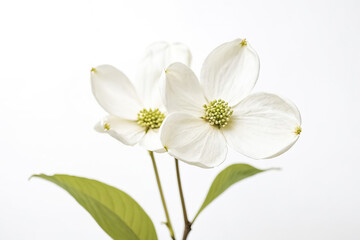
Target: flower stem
(187,223)
(168,222)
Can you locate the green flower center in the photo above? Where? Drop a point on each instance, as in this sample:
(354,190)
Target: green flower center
(150,119)
(217,113)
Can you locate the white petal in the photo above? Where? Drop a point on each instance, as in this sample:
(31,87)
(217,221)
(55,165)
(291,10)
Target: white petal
(230,72)
(193,140)
(157,57)
(263,126)
(181,90)
(151,141)
(114,92)
(100,127)
(126,131)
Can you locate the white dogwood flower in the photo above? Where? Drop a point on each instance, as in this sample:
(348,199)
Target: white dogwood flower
(206,116)
(136,112)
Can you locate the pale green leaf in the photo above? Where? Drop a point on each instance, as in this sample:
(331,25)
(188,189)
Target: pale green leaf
(119,215)
(225,179)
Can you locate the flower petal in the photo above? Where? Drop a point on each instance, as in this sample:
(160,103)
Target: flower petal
(114,92)
(230,72)
(157,57)
(151,141)
(181,90)
(193,140)
(263,126)
(126,131)
(100,127)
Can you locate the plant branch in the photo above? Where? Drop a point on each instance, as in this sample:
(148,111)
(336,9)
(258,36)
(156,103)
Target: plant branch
(168,222)
(187,223)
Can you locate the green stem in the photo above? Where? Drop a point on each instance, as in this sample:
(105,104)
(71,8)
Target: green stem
(187,223)
(168,222)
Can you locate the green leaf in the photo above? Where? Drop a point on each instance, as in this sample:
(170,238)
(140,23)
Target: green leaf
(116,212)
(227,177)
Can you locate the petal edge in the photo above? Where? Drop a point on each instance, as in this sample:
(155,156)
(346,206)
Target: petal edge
(230,72)
(114,92)
(193,140)
(263,126)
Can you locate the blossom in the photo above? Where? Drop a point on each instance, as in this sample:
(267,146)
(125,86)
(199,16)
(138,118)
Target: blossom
(208,116)
(136,110)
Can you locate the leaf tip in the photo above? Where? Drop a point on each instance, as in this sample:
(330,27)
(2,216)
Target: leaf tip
(274,168)
(35,175)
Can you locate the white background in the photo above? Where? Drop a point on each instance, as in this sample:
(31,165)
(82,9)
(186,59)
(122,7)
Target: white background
(309,52)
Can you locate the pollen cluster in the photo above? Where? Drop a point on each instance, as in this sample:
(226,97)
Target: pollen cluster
(150,119)
(107,126)
(297,130)
(243,42)
(217,113)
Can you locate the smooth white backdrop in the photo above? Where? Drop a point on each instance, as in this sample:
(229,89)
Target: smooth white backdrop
(309,52)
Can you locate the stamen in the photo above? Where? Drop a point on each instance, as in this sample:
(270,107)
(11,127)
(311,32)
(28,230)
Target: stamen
(217,113)
(150,119)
